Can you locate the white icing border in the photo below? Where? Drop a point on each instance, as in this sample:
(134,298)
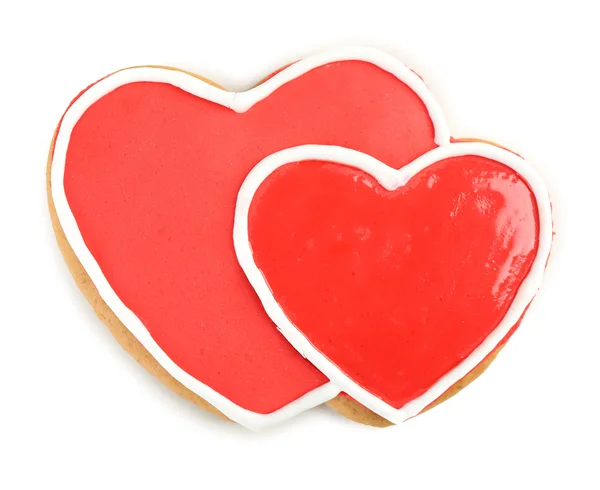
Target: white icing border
(239,102)
(390,179)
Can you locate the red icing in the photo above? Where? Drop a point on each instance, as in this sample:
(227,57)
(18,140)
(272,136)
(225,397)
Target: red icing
(152,175)
(395,288)
(501,344)
(489,356)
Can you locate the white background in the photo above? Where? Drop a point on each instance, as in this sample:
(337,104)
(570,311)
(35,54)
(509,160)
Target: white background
(77,412)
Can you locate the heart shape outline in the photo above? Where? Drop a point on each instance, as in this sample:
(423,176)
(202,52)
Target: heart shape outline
(391,179)
(238,102)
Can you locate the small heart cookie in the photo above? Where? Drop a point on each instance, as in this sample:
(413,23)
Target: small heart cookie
(394,283)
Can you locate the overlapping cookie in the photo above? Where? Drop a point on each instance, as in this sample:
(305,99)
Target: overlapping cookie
(317,238)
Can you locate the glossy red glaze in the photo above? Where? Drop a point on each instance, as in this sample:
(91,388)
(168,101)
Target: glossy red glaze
(395,287)
(152,175)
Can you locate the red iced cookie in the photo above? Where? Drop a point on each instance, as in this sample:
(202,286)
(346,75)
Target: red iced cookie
(145,173)
(394,283)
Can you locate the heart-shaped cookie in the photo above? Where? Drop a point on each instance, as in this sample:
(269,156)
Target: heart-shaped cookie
(145,172)
(394,283)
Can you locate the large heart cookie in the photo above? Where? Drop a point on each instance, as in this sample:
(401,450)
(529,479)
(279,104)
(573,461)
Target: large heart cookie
(145,172)
(394,283)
